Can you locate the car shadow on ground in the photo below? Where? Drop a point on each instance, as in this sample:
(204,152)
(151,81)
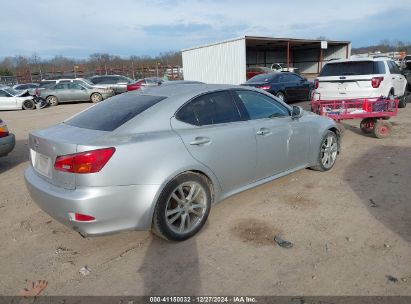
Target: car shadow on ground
(171,268)
(20,154)
(380,178)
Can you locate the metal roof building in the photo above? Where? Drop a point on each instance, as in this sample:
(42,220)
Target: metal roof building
(227,61)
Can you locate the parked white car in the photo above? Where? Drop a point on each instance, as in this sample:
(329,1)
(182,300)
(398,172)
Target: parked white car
(360,78)
(11,99)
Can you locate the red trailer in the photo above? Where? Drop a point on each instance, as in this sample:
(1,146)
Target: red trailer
(374,112)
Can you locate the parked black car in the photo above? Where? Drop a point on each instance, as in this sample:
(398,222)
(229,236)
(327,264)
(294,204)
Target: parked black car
(286,86)
(116,82)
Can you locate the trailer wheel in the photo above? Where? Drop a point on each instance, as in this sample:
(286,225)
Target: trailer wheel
(367,125)
(382,129)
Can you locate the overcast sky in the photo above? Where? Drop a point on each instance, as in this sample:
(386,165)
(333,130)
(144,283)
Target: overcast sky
(78,28)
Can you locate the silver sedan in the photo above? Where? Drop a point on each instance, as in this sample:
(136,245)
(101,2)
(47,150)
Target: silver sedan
(161,158)
(72,91)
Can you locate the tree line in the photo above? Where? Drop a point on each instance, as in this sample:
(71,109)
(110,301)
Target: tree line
(13,65)
(384,46)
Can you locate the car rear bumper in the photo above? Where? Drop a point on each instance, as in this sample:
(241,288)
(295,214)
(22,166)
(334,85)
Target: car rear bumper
(336,96)
(115,208)
(7,144)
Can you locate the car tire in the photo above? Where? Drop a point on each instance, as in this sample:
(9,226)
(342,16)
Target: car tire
(402,102)
(328,153)
(52,100)
(96,97)
(183,207)
(281,96)
(28,105)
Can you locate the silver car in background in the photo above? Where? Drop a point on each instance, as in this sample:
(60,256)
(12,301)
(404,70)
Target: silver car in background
(73,91)
(160,158)
(116,82)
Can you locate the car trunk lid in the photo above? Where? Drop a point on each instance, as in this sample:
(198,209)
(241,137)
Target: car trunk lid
(62,139)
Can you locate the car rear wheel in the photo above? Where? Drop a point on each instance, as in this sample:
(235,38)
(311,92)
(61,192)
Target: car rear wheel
(281,96)
(328,152)
(96,97)
(182,208)
(52,100)
(28,105)
(402,102)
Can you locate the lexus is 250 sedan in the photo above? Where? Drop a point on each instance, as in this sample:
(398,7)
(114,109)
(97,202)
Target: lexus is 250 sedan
(161,158)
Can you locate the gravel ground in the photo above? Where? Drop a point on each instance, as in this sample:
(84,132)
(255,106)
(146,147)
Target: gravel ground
(351,228)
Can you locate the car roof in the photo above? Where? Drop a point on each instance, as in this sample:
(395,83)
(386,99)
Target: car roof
(357,59)
(185,88)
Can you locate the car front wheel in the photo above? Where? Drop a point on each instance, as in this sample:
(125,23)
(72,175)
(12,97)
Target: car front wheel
(328,152)
(96,97)
(52,100)
(183,207)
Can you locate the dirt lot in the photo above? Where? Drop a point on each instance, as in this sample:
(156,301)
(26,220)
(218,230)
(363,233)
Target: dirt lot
(351,228)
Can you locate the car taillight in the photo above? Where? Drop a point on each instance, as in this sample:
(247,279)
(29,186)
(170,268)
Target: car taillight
(316,84)
(3,130)
(265,87)
(84,162)
(376,81)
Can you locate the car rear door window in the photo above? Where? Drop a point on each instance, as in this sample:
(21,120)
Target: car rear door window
(393,67)
(61,86)
(209,109)
(261,106)
(379,67)
(74,86)
(110,114)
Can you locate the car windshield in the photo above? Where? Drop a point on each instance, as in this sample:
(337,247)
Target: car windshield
(349,68)
(11,91)
(110,114)
(86,81)
(83,83)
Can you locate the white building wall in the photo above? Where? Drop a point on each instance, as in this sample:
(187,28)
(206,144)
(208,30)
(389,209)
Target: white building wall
(223,63)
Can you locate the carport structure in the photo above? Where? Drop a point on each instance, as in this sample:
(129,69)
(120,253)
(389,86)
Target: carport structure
(227,61)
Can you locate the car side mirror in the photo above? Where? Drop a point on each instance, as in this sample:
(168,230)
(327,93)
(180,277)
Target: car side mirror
(297,112)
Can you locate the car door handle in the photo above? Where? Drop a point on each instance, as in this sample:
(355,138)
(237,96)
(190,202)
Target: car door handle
(198,141)
(263,131)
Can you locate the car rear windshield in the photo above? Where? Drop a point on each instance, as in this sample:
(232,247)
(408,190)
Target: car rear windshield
(110,114)
(353,68)
(262,78)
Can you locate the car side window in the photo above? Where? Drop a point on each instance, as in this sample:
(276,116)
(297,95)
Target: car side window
(379,67)
(261,106)
(61,86)
(74,86)
(209,109)
(4,94)
(96,80)
(393,68)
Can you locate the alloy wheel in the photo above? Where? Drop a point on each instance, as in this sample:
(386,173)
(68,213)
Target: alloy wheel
(186,207)
(329,150)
